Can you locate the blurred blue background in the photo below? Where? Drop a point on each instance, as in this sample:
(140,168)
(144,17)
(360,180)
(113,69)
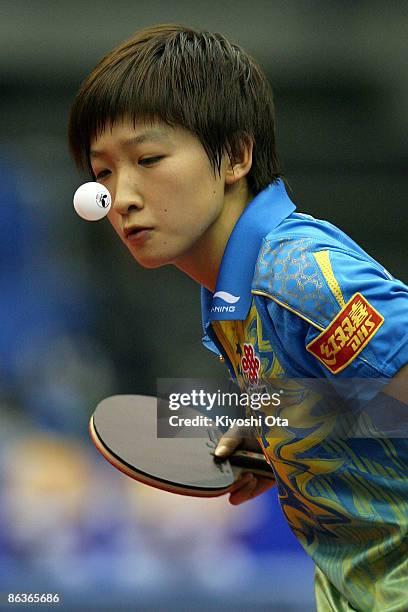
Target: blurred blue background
(80,320)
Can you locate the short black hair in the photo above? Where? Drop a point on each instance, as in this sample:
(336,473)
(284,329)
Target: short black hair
(183,77)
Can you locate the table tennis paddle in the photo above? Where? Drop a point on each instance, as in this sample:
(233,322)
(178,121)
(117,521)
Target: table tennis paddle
(124,430)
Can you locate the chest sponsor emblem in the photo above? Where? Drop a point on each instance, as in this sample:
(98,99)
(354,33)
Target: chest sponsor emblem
(250,364)
(349,332)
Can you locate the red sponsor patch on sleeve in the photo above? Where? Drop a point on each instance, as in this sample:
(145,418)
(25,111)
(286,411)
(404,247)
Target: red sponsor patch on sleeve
(349,332)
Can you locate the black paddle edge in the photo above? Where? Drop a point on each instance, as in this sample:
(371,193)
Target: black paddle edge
(149,477)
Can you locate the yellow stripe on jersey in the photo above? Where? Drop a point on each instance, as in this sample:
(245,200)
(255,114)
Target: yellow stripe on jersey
(323,261)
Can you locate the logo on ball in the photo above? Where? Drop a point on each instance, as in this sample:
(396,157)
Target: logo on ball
(102,200)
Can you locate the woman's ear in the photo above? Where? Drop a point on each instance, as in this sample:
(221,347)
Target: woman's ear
(241,162)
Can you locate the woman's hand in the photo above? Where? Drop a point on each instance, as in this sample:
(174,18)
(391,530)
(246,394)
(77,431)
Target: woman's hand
(249,485)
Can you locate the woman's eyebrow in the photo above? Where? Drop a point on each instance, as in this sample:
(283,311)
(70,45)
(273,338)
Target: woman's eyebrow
(150,135)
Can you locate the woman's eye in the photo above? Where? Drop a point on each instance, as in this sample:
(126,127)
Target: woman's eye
(101,175)
(147,161)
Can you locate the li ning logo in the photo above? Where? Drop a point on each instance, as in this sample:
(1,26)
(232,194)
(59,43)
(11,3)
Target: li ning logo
(226,297)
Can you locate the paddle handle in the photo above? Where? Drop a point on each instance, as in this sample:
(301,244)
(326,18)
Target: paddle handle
(249,461)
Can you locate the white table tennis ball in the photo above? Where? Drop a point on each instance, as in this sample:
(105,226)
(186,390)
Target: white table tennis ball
(92,201)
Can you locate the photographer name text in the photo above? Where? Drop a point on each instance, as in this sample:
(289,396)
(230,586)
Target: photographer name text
(225,421)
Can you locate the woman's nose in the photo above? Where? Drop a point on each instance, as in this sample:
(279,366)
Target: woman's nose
(127,196)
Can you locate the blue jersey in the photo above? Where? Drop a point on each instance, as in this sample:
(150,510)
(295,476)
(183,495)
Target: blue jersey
(296,298)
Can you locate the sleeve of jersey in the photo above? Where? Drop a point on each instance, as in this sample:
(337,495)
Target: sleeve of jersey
(333,312)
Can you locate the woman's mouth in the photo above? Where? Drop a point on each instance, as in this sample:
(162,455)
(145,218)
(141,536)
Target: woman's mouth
(137,234)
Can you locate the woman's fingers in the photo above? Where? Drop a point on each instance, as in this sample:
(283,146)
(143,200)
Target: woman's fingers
(229,442)
(248,487)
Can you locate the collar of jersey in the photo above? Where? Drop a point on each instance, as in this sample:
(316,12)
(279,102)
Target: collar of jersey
(232,297)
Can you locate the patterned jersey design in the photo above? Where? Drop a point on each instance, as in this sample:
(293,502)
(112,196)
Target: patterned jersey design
(345,499)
